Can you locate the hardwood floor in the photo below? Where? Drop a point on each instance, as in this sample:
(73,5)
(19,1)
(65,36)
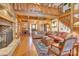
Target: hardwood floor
(26,47)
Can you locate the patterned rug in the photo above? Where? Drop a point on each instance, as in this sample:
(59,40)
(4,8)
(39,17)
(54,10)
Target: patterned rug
(42,50)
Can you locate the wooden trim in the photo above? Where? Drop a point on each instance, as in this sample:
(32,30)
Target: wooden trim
(64,15)
(72,16)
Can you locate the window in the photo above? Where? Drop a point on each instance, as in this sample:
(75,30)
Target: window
(34,27)
(67,7)
(54,25)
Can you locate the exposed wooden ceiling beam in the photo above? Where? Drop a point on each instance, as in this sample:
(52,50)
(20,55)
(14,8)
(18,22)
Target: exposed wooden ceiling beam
(32,17)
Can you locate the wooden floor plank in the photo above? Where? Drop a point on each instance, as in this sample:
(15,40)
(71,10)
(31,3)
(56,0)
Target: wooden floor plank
(24,48)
